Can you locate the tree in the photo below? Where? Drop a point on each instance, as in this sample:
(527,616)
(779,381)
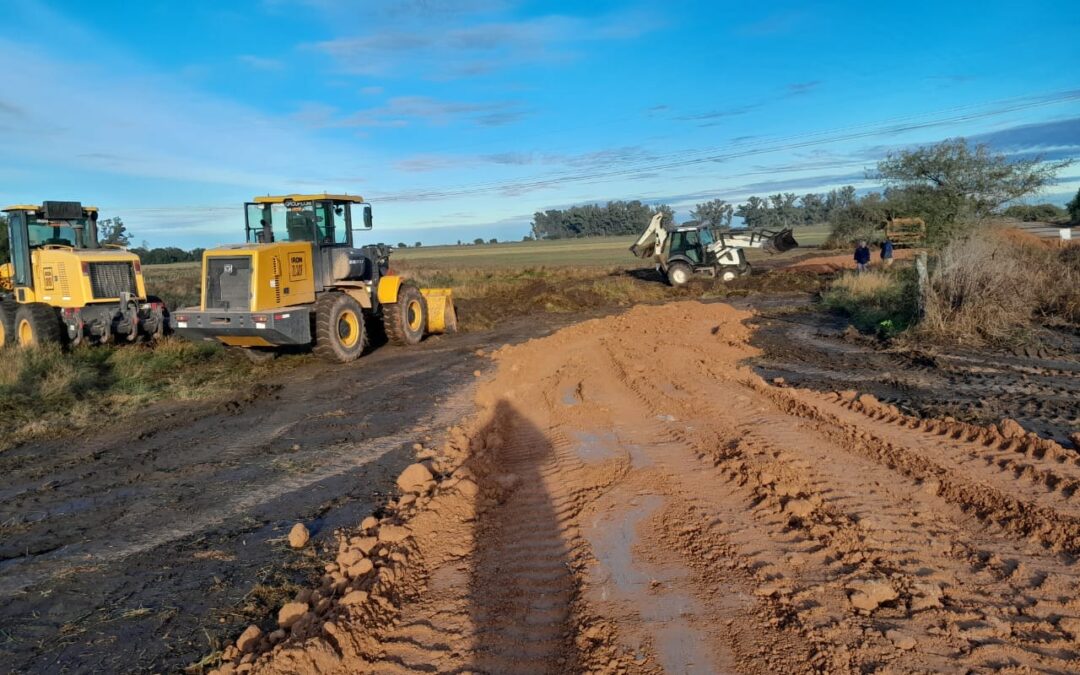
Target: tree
(417,245)
(112,231)
(402,244)
(478,241)
(755,212)
(1035,213)
(493,240)
(715,214)
(669,215)
(1073,208)
(952,185)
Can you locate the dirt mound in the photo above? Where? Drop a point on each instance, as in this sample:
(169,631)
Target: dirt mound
(828,264)
(630,498)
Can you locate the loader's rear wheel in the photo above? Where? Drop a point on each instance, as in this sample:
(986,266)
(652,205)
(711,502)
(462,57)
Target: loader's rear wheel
(340,333)
(406,319)
(7,322)
(37,324)
(728,274)
(678,274)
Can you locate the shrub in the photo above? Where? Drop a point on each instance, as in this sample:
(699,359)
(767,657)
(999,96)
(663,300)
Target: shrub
(881,302)
(1032,213)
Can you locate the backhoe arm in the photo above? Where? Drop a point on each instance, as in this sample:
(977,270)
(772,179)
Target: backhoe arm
(642,247)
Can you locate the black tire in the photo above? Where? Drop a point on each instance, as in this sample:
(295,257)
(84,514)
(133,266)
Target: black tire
(405,320)
(163,327)
(340,331)
(679,274)
(8,307)
(38,324)
(745,270)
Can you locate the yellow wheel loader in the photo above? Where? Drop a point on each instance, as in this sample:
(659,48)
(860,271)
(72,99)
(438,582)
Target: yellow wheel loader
(299,281)
(60,285)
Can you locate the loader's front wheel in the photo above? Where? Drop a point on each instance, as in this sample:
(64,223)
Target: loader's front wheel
(678,274)
(406,319)
(8,308)
(340,333)
(36,324)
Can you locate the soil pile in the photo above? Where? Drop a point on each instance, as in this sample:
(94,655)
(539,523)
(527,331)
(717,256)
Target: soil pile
(630,498)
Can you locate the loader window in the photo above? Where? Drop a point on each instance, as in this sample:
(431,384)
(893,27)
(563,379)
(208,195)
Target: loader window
(55,232)
(688,244)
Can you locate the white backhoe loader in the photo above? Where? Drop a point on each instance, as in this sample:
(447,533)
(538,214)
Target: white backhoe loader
(686,250)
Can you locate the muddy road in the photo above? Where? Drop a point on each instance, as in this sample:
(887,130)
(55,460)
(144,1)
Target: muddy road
(632,497)
(148,545)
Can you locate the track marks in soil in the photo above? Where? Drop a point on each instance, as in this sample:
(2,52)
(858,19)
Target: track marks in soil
(647,505)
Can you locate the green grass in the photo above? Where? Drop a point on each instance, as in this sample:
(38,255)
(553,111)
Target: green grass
(879,302)
(46,391)
(597,252)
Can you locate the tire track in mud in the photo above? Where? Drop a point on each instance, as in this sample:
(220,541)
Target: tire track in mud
(643,504)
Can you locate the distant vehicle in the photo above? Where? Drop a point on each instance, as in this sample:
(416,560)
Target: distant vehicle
(299,281)
(686,250)
(61,286)
(906,232)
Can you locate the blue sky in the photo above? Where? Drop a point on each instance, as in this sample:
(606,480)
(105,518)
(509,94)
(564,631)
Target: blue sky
(461,119)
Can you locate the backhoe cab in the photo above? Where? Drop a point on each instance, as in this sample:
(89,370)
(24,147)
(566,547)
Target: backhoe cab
(682,251)
(300,281)
(60,285)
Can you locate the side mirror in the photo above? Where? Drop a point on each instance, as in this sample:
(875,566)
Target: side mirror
(367,216)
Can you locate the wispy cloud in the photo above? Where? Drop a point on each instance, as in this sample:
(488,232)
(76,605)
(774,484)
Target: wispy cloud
(439,51)
(402,110)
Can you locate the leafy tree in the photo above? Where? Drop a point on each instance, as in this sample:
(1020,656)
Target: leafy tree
(715,214)
(1073,208)
(478,241)
(402,244)
(952,185)
(417,245)
(813,209)
(1032,213)
(493,240)
(591,220)
(755,212)
(113,231)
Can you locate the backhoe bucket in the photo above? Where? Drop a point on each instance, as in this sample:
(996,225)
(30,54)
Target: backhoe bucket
(441,316)
(784,240)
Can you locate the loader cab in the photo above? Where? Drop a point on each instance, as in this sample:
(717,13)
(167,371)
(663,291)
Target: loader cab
(53,224)
(323,220)
(690,244)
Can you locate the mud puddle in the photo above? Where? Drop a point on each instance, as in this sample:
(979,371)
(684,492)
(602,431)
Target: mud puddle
(667,614)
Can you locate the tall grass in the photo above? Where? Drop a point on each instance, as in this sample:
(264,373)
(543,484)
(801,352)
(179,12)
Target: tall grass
(46,390)
(879,301)
(993,287)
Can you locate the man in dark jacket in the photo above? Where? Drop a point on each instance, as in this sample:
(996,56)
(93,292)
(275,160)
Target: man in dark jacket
(886,253)
(862,257)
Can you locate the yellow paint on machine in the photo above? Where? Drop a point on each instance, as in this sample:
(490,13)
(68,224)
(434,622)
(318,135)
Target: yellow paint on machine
(282,274)
(243,341)
(441,316)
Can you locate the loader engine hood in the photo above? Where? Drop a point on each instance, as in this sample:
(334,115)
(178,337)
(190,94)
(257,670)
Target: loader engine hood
(67,277)
(257,277)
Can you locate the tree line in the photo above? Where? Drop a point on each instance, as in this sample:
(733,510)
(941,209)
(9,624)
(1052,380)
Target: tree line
(595,220)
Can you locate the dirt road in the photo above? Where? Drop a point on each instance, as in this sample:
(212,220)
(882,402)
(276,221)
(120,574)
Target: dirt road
(146,546)
(633,498)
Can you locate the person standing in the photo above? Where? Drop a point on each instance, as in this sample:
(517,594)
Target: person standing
(862,257)
(886,253)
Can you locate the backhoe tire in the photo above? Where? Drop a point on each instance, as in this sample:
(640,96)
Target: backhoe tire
(8,307)
(406,319)
(340,333)
(679,274)
(38,324)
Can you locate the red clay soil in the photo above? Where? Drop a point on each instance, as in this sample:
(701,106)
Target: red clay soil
(630,498)
(827,264)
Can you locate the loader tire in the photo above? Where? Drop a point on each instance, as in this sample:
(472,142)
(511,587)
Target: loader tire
(679,274)
(340,333)
(406,319)
(38,324)
(8,307)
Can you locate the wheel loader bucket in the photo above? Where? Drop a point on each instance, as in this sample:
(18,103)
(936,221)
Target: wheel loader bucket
(441,316)
(784,240)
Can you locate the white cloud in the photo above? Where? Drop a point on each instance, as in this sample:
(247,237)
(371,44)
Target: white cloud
(260,62)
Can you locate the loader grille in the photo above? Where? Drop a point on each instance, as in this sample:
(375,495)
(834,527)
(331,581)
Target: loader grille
(110,279)
(228,283)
